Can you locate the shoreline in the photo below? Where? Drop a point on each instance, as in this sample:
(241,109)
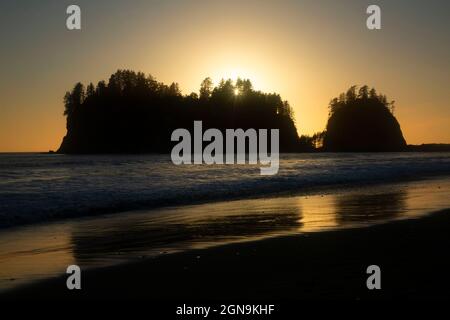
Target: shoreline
(319,265)
(330,188)
(33,253)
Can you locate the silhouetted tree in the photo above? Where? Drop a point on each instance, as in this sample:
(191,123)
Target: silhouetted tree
(244,86)
(101,88)
(350,94)
(334,104)
(363,92)
(206,88)
(90,90)
(73,99)
(174,90)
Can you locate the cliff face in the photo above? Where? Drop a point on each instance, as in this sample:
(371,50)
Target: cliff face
(363,126)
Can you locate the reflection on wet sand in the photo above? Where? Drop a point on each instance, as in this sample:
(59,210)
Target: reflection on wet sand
(370,208)
(33,254)
(184,228)
(41,251)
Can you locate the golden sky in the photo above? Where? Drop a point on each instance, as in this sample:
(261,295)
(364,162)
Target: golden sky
(308,51)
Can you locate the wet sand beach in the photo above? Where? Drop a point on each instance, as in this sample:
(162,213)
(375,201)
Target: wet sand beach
(412,255)
(316,249)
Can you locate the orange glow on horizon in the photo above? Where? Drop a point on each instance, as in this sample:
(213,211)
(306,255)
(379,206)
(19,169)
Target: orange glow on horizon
(293,48)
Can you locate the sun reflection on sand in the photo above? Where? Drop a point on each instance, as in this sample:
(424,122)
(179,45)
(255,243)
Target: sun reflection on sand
(316,213)
(34,252)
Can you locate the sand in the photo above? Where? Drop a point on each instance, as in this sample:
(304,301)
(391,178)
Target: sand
(412,254)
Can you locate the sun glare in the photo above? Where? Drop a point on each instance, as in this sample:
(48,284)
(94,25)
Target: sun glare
(236,92)
(226,73)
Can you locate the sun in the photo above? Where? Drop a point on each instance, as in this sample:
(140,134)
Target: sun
(236,92)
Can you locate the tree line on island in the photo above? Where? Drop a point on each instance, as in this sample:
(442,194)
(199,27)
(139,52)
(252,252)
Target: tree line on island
(134,113)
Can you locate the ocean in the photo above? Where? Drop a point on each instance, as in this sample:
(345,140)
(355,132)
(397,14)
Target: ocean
(42,187)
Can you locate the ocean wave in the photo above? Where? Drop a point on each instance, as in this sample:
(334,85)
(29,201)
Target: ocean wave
(38,187)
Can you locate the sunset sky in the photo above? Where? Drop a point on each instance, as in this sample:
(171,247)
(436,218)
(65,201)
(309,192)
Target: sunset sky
(308,51)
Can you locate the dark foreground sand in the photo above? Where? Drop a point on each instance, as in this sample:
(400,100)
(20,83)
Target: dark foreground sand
(413,256)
